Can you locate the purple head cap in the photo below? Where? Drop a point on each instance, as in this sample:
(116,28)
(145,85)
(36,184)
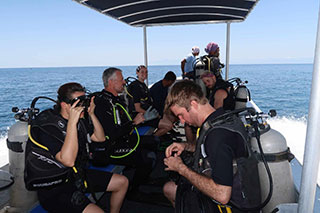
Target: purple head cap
(211,47)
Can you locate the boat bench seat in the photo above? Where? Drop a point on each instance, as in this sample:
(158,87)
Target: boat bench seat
(144,130)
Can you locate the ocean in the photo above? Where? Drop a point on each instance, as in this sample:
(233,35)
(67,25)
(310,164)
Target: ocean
(283,87)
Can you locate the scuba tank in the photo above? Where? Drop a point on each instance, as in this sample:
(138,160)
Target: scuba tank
(199,67)
(242,96)
(277,155)
(21,199)
(269,147)
(241,93)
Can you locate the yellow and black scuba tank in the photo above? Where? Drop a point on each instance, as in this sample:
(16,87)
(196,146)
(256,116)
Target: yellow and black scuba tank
(204,64)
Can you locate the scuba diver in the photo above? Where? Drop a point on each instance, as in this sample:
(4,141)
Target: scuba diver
(128,147)
(212,61)
(66,133)
(140,101)
(221,92)
(188,62)
(206,183)
(159,91)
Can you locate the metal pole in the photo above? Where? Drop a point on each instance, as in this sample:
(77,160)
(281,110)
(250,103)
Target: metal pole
(312,146)
(145,49)
(227,51)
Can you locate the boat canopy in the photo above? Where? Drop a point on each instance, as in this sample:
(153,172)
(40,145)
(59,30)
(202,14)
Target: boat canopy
(172,12)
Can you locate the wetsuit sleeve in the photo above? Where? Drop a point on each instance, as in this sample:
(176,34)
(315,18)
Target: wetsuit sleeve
(220,150)
(104,113)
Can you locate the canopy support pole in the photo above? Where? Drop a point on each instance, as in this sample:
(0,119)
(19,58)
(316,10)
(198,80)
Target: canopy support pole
(227,51)
(312,145)
(145,49)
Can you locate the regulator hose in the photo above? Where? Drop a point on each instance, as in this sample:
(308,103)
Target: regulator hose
(268,198)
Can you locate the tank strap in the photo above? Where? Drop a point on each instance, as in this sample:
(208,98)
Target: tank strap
(277,157)
(14,146)
(241,99)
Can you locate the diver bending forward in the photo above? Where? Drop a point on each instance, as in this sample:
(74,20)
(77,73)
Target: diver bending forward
(70,196)
(214,179)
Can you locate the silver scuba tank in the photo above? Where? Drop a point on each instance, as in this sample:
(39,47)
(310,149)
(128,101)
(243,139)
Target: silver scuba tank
(199,68)
(21,200)
(275,148)
(242,96)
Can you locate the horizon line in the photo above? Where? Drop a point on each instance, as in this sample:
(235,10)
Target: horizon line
(27,67)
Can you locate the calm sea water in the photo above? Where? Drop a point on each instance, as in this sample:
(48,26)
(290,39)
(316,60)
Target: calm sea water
(285,88)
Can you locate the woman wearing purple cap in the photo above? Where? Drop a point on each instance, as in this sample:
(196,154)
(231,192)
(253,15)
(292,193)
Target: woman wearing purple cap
(212,60)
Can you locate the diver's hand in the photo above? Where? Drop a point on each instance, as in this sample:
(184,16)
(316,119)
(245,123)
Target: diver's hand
(138,119)
(75,113)
(175,148)
(91,107)
(173,163)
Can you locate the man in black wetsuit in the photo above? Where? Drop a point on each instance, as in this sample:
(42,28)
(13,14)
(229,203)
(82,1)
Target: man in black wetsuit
(214,178)
(159,91)
(221,92)
(118,126)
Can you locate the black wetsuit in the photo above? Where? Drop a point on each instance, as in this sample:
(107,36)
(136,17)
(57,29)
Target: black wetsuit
(139,93)
(120,129)
(105,101)
(221,146)
(70,196)
(159,94)
(228,102)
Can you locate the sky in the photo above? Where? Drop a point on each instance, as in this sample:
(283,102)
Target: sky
(59,33)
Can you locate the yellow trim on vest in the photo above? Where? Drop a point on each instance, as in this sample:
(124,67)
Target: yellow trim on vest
(224,209)
(126,90)
(131,96)
(35,142)
(46,148)
(209,62)
(84,181)
(198,133)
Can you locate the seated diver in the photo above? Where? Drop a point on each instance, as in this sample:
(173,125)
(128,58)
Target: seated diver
(159,92)
(220,91)
(140,101)
(70,196)
(119,129)
(206,184)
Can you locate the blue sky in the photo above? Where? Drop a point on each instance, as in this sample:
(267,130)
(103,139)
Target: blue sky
(53,33)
